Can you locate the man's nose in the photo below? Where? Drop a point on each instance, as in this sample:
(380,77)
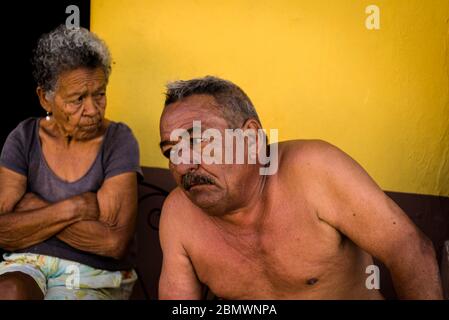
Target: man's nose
(184,168)
(185,161)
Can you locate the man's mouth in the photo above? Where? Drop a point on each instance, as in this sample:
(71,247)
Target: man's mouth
(190,180)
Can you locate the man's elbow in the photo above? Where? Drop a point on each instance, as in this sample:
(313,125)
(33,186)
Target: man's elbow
(427,247)
(424,248)
(413,266)
(416,249)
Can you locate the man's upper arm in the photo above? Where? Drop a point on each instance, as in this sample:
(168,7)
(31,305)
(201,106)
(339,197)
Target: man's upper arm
(12,188)
(354,204)
(178,278)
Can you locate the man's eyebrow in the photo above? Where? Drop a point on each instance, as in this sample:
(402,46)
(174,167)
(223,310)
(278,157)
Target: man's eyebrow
(169,142)
(166,143)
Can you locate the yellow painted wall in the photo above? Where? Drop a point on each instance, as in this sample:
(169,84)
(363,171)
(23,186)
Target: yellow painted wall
(311,67)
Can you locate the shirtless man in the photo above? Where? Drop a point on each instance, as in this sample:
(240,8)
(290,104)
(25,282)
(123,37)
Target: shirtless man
(307,232)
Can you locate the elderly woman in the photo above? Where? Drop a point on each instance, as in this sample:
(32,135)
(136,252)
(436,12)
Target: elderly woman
(68,182)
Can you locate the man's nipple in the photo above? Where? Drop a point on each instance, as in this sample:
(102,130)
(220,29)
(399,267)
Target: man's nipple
(312,281)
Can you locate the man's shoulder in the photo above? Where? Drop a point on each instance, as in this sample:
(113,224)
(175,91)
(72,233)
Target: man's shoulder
(309,153)
(177,206)
(313,164)
(175,198)
(318,165)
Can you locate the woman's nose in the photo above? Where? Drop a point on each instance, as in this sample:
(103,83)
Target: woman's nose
(90,107)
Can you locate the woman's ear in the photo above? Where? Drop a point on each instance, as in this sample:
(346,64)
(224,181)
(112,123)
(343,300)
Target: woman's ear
(43,99)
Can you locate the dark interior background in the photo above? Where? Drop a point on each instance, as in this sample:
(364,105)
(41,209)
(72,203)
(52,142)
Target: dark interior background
(22,22)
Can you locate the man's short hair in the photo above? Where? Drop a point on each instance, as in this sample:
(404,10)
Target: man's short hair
(233,102)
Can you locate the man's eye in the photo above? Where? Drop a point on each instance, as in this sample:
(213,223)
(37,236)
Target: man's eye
(166,153)
(196,140)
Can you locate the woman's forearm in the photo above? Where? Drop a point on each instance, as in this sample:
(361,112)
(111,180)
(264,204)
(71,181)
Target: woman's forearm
(96,237)
(21,229)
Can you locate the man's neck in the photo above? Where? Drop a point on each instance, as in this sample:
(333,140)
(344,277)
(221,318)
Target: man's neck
(249,214)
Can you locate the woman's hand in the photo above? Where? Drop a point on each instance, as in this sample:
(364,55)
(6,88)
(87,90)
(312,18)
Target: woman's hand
(86,205)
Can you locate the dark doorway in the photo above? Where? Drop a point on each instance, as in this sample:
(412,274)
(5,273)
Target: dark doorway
(22,24)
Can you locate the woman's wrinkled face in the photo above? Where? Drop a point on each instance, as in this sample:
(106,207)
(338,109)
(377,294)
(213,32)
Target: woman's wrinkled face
(79,102)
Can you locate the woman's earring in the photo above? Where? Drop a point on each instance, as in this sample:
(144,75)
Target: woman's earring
(48,116)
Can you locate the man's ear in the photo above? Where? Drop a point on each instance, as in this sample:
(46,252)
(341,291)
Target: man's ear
(251,124)
(256,127)
(42,95)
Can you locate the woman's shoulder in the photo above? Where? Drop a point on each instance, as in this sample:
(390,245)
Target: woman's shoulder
(27,124)
(25,129)
(121,150)
(119,135)
(116,130)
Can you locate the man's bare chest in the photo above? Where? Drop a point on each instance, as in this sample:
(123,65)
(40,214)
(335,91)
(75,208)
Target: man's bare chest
(291,254)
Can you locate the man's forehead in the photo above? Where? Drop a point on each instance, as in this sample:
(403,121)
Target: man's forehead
(181,114)
(197,103)
(191,122)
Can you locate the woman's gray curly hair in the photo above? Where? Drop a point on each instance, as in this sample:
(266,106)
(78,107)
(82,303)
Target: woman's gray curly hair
(65,49)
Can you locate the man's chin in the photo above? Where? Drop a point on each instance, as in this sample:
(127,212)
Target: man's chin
(202,198)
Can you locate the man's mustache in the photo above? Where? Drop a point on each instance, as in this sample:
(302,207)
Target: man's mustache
(191,179)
